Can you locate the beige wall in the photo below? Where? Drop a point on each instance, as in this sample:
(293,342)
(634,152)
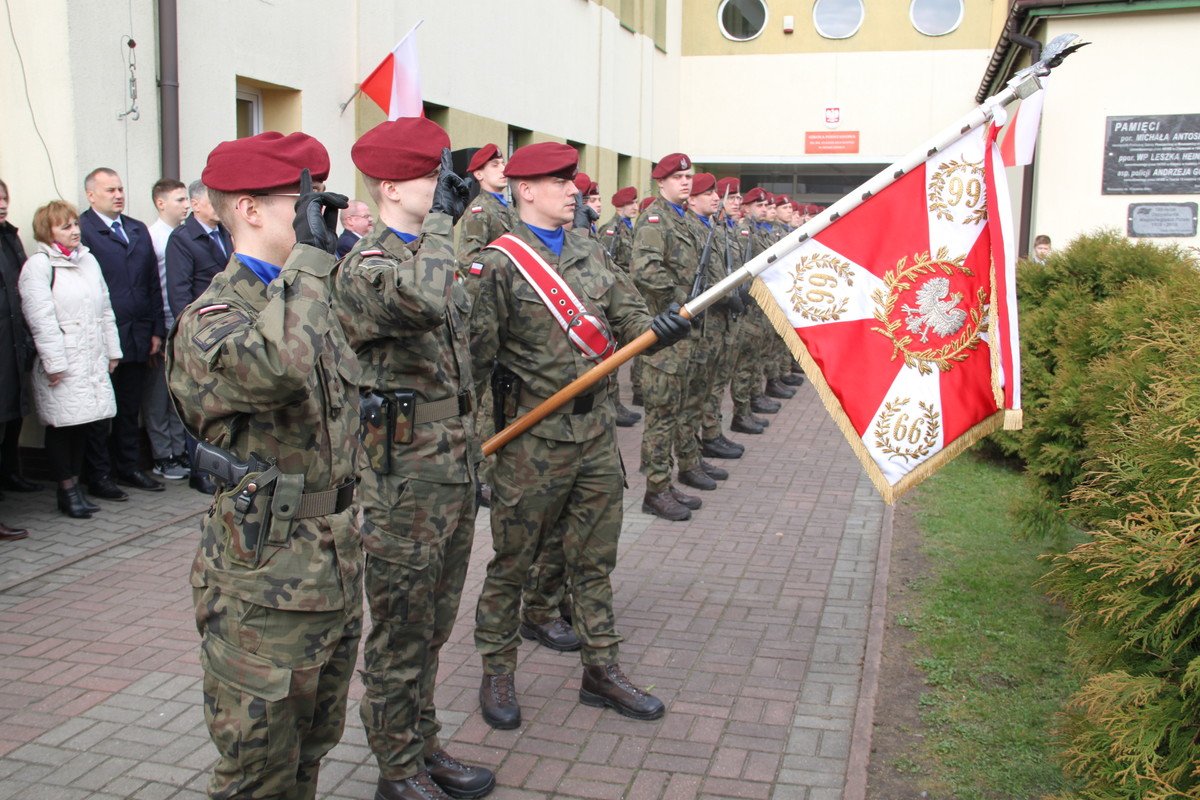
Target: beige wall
(1137,64)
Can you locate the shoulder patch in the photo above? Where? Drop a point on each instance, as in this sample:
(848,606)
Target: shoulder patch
(369,253)
(200,312)
(653,218)
(476,269)
(744,232)
(214,330)
(610,232)
(476,209)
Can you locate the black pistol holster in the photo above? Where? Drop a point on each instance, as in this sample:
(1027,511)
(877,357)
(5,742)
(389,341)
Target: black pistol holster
(506,395)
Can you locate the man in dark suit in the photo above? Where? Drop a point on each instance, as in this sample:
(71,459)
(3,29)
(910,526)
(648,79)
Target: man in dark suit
(125,251)
(197,251)
(356,223)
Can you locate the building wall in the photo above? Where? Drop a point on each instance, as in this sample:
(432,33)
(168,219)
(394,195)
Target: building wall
(1137,64)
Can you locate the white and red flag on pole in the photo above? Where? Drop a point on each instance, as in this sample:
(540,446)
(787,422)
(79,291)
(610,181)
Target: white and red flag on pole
(1021,133)
(903,314)
(395,85)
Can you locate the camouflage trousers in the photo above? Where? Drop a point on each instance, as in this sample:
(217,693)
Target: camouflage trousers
(779,358)
(747,379)
(695,389)
(664,382)
(417,536)
(275,688)
(545,492)
(485,428)
(724,332)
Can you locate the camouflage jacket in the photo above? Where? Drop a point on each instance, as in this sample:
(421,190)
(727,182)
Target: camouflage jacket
(715,268)
(617,240)
(666,251)
(405,313)
(512,326)
(485,220)
(269,367)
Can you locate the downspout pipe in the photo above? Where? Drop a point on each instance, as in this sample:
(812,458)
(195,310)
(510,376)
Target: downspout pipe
(168,87)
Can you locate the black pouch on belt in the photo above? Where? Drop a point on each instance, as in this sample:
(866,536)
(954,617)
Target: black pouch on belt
(404,411)
(376,431)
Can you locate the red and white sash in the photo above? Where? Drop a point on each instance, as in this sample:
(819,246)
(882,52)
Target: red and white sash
(586,331)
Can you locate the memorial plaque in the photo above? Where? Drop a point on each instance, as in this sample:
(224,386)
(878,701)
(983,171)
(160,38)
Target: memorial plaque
(1162,219)
(1152,155)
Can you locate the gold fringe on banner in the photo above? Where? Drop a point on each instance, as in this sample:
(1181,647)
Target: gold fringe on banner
(1014,419)
(889,492)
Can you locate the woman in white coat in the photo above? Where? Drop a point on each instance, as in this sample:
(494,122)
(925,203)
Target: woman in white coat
(65,300)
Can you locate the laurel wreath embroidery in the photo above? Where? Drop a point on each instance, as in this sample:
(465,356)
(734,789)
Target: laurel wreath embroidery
(887,435)
(903,278)
(973,170)
(826,309)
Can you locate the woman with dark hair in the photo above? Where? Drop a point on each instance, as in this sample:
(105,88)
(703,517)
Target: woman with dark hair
(66,305)
(16,352)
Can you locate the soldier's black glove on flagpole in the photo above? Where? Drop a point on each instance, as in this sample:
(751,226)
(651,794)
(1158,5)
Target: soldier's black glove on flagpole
(451,194)
(670,327)
(316,215)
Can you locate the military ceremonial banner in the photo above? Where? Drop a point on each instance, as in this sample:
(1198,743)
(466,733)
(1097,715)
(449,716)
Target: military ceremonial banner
(1020,135)
(903,314)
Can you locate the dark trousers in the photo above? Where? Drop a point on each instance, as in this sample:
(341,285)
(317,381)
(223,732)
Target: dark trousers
(64,449)
(119,445)
(10,436)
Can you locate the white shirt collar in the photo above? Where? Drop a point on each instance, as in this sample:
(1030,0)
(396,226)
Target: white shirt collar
(108,221)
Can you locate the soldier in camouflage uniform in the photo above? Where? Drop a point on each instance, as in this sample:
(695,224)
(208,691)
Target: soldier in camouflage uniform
(406,315)
(259,366)
(562,480)
(666,252)
(616,236)
(747,369)
(777,358)
(590,193)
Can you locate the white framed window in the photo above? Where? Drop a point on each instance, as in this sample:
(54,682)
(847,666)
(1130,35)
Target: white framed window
(936,17)
(742,20)
(838,19)
(249,112)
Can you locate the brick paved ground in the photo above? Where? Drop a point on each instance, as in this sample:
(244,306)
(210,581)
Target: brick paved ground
(750,623)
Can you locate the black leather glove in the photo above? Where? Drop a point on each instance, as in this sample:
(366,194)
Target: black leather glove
(585,215)
(670,327)
(316,215)
(451,194)
(733,302)
(743,293)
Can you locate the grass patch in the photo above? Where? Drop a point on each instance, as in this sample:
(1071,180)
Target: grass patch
(991,646)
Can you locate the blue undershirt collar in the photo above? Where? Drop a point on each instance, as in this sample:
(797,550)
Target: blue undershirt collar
(552,238)
(265,270)
(680,210)
(407,238)
(628,222)
(499,198)
(705,220)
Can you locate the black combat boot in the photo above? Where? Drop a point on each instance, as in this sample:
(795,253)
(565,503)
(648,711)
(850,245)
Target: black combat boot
(418,787)
(555,634)
(626,418)
(745,425)
(780,391)
(457,779)
(730,443)
(607,686)
(498,701)
(764,405)
(686,500)
(697,479)
(715,448)
(792,379)
(664,504)
(716,473)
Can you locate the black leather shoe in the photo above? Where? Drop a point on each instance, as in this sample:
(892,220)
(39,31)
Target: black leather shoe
(697,479)
(15,483)
(626,418)
(764,405)
(741,448)
(716,473)
(419,787)
(105,489)
(498,701)
(139,480)
(202,483)
(88,505)
(686,500)
(778,390)
(555,634)
(607,686)
(664,505)
(792,379)
(715,448)
(458,779)
(745,425)
(71,503)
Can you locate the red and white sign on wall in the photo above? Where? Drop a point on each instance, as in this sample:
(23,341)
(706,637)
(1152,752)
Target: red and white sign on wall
(830,142)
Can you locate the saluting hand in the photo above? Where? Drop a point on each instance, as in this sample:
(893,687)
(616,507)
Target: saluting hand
(316,215)
(451,194)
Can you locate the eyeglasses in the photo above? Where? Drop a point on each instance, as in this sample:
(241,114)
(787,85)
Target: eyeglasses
(361,216)
(273,194)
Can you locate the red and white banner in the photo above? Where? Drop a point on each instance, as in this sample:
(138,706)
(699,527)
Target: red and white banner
(395,85)
(903,314)
(1020,135)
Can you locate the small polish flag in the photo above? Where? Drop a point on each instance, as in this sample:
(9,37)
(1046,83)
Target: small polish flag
(476,269)
(395,85)
(1020,136)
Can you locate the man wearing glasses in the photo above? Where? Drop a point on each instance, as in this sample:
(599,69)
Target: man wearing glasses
(356,223)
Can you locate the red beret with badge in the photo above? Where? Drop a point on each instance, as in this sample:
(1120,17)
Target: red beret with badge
(731,185)
(586,186)
(703,182)
(782,200)
(543,159)
(670,164)
(624,196)
(267,161)
(401,150)
(755,195)
(482,156)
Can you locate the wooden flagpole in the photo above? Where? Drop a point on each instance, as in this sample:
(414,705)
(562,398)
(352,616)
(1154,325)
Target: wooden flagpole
(1023,84)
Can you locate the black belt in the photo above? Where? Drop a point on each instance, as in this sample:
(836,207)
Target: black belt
(582,404)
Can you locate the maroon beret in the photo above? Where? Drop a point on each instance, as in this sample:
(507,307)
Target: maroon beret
(586,186)
(646,201)
(669,164)
(782,200)
(755,195)
(482,156)
(625,196)
(732,185)
(266,161)
(543,158)
(703,182)
(400,150)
